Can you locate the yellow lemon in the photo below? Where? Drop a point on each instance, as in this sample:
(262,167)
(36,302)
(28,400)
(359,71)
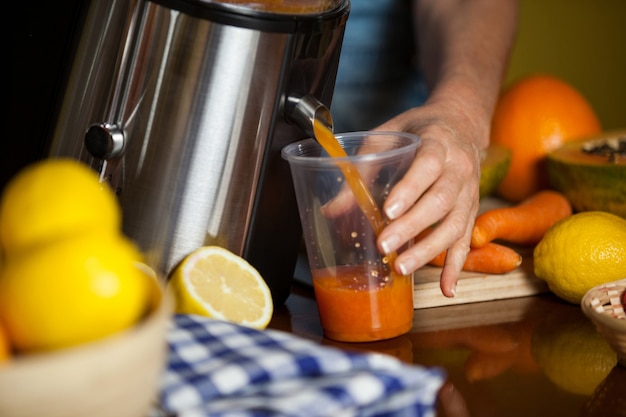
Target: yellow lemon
(214,282)
(580,252)
(73,291)
(54,198)
(571,353)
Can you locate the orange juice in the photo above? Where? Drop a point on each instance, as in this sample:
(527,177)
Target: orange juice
(360,304)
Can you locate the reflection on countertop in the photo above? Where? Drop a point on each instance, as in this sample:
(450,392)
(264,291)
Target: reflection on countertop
(534,355)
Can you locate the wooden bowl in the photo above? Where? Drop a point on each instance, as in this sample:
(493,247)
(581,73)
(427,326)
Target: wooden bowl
(603,305)
(115,376)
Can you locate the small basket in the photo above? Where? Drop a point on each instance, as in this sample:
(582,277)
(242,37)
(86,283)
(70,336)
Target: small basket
(603,305)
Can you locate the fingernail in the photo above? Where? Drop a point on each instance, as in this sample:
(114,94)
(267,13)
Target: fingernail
(393,211)
(453,290)
(449,387)
(389,244)
(407,266)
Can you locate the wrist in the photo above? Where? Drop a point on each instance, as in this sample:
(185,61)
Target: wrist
(469,102)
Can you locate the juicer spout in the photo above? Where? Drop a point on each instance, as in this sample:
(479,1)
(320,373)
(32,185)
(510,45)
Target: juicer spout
(303,110)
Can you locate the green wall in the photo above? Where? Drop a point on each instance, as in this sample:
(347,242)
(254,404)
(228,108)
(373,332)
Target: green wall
(581,41)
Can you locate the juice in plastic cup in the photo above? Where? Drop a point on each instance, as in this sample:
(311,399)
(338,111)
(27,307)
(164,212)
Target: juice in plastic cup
(359,296)
(357,304)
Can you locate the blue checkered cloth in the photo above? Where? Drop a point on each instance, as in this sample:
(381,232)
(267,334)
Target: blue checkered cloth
(217,368)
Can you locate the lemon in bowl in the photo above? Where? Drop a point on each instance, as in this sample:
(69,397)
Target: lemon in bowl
(52,199)
(73,291)
(83,321)
(116,375)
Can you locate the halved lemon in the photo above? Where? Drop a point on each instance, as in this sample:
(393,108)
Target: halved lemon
(214,282)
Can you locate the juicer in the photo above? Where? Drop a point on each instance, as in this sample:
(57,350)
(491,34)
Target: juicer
(183,107)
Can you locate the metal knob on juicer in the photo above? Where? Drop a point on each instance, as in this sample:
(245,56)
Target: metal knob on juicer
(104,140)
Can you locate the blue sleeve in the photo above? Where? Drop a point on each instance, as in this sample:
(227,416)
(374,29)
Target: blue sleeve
(378,74)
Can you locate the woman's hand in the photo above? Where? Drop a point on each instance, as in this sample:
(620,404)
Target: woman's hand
(441,186)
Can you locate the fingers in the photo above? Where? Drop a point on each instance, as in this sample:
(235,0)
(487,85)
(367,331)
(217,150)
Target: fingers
(419,200)
(451,402)
(455,259)
(441,187)
(451,271)
(425,170)
(341,204)
(450,202)
(367,176)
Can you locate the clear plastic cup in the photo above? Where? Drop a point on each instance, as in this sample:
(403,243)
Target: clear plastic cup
(360,298)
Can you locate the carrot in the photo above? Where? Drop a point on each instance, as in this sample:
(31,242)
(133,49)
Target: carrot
(524,224)
(489,259)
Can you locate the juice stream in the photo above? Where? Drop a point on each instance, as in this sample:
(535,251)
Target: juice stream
(364,198)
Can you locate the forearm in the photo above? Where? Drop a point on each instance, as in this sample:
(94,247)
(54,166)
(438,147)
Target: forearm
(464,47)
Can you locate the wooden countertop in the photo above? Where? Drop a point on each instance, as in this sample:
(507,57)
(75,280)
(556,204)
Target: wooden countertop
(489,351)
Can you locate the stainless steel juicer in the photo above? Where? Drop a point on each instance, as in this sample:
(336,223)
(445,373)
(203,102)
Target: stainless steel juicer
(183,107)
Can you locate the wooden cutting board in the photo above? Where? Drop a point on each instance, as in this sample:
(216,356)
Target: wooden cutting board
(475,287)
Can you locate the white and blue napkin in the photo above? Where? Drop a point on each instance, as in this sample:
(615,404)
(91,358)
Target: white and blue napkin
(221,369)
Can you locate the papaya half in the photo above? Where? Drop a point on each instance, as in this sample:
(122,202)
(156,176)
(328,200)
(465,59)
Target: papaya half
(493,168)
(591,172)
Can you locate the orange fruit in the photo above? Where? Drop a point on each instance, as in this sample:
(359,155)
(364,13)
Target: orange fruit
(5,350)
(534,116)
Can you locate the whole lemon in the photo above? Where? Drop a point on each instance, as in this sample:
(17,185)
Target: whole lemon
(580,252)
(73,291)
(54,198)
